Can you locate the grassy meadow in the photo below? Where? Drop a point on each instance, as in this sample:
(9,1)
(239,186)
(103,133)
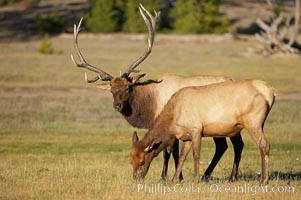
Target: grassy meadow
(61,139)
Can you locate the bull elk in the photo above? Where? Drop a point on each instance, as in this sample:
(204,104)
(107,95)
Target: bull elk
(140,103)
(217,110)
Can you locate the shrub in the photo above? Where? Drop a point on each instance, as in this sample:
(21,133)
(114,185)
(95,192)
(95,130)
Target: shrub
(51,23)
(105,16)
(134,22)
(46,47)
(187,16)
(198,16)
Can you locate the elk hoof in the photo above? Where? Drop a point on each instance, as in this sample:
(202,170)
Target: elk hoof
(264,182)
(232,179)
(205,179)
(181,177)
(175,180)
(163,178)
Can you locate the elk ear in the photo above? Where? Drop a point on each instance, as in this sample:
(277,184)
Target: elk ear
(153,145)
(135,138)
(137,78)
(104,86)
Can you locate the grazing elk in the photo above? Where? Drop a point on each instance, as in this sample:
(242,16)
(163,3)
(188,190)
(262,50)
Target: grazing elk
(217,110)
(141,102)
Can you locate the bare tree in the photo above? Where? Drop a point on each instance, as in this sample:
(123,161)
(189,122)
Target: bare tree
(297,21)
(280,36)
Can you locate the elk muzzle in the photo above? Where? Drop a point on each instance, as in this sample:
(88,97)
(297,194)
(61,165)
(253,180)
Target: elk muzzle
(123,107)
(139,174)
(117,106)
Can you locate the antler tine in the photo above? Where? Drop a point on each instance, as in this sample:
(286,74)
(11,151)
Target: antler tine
(96,78)
(153,18)
(101,74)
(151,26)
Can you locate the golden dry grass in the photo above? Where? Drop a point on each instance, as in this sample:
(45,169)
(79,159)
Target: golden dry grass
(61,139)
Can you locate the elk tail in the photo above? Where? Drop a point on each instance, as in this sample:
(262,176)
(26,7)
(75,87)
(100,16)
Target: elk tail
(267,91)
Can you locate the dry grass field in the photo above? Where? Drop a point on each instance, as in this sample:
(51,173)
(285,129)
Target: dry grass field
(61,139)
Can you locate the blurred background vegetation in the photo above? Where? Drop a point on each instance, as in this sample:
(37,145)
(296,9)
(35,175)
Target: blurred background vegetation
(122,15)
(5,2)
(29,18)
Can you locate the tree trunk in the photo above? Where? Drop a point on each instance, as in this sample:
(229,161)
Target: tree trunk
(278,37)
(297,22)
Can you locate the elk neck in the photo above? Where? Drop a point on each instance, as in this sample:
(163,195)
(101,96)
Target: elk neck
(161,140)
(141,108)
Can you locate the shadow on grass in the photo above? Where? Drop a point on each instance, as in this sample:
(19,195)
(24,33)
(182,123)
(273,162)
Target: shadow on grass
(285,176)
(276,175)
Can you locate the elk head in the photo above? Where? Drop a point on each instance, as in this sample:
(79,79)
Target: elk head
(121,86)
(142,155)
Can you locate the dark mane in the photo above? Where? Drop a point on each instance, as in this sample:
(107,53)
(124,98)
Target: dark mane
(143,105)
(147,82)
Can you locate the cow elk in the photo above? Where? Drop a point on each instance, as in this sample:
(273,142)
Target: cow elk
(217,110)
(140,103)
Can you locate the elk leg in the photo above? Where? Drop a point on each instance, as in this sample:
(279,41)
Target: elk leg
(175,154)
(238,146)
(220,148)
(196,147)
(264,147)
(184,151)
(166,156)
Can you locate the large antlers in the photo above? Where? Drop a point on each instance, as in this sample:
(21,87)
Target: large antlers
(151,26)
(101,74)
